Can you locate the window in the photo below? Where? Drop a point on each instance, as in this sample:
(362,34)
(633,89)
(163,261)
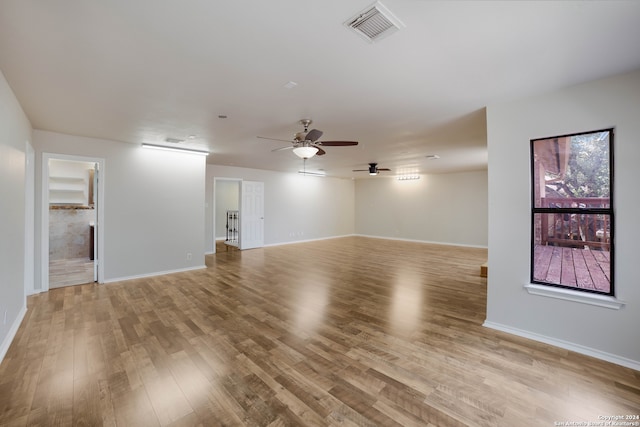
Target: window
(572,211)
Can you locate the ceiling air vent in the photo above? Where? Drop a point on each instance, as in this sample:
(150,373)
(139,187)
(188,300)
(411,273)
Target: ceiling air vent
(374,23)
(174,140)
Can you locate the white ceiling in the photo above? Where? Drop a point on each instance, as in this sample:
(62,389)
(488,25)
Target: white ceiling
(144,70)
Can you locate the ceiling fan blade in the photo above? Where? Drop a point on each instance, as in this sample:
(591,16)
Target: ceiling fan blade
(320,152)
(283,148)
(360,170)
(384,169)
(273,139)
(337,143)
(313,135)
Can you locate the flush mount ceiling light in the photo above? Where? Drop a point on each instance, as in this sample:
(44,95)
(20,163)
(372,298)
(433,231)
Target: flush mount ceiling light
(179,150)
(408,177)
(312,173)
(408,173)
(305,152)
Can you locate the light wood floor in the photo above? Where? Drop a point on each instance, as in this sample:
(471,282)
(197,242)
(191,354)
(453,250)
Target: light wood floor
(68,272)
(347,332)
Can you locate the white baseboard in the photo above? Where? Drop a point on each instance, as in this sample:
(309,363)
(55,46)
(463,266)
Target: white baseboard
(157,273)
(598,354)
(422,241)
(378,237)
(12,333)
(307,240)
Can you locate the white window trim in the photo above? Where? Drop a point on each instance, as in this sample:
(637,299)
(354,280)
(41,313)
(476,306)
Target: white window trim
(575,296)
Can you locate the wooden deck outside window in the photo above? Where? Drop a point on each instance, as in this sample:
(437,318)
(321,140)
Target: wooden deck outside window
(572,229)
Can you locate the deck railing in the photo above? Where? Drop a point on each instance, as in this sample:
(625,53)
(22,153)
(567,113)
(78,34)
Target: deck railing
(583,230)
(232,226)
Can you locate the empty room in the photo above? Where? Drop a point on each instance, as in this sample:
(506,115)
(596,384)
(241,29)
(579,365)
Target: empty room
(395,213)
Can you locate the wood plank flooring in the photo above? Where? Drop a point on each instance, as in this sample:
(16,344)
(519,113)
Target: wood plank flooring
(343,332)
(68,272)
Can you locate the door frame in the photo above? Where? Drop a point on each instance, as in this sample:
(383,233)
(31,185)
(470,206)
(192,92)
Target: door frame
(44,230)
(30,220)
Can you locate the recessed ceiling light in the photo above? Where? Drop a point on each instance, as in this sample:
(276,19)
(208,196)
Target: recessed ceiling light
(290,85)
(222,116)
(432,156)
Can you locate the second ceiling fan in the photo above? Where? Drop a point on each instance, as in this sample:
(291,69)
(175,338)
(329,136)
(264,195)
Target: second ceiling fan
(373,169)
(305,144)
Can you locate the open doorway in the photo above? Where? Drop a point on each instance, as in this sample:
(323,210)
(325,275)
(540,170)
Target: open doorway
(238,214)
(226,192)
(71,213)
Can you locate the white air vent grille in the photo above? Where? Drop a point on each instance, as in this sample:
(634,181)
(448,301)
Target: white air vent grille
(374,23)
(174,140)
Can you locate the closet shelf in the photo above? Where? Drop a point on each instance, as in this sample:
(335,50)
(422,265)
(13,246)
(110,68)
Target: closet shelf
(66,190)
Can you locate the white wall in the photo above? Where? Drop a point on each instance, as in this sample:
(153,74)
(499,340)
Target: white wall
(15,132)
(153,204)
(296,207)
(441,208)
(606,333)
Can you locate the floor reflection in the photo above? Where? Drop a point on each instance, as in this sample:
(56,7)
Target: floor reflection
(405,312)
(310,303)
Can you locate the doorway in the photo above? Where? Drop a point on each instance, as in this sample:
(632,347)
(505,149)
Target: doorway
(226,201)
(72,211)
(238,213)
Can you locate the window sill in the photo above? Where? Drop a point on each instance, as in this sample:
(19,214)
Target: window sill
(576,296)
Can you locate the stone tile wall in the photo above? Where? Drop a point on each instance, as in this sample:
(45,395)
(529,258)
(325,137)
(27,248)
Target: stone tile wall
(69,233)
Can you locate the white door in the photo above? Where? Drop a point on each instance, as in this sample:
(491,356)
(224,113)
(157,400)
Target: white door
(252,215)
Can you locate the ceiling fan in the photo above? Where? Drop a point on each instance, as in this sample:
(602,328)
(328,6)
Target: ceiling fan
(305,144)
(373,169)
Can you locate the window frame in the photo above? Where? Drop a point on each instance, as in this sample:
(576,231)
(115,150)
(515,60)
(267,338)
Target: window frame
(563,210)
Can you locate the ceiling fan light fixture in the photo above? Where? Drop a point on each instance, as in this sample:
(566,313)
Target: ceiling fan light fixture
(305,152)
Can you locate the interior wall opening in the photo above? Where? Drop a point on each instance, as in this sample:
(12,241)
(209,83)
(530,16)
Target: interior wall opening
(72,217)
(226,213)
